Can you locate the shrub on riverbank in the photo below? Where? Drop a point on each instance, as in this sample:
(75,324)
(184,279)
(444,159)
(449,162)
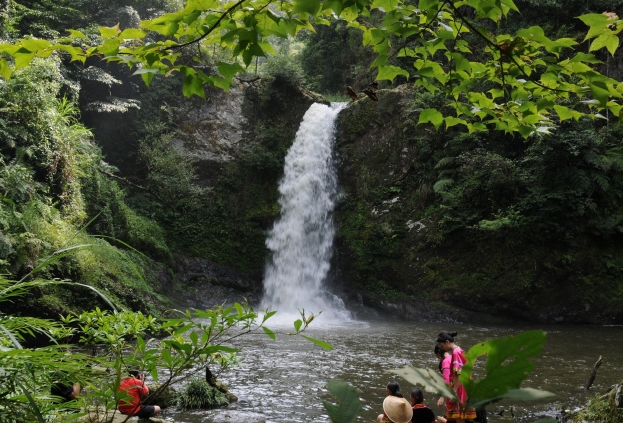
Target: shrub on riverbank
(200,394)
(600,408)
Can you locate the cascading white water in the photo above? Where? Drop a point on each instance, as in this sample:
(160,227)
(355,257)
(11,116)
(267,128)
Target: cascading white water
(301,241)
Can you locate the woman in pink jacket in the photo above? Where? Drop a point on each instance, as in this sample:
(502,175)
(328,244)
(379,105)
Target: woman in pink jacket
(451,367)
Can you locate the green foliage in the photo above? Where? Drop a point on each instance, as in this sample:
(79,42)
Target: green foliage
(193,341)
(285,67)
(43,133)
(198,393)
(526,76)
(27,373)
(170,174)
(349,404)
(334,58)
(266,154)
(600,408)
(508,364)
(51,181)
(517,191)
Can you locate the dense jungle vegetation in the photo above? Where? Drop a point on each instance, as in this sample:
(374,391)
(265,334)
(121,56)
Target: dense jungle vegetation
(520,189)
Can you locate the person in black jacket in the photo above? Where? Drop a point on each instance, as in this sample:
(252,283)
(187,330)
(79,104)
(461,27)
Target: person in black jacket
(421,413)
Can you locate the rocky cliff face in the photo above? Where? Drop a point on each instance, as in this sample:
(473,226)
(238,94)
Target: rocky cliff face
(386,178)
(227,125)
(239,140)
(212,130)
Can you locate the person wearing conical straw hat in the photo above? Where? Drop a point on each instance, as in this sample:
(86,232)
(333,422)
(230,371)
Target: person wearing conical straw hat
(396,409)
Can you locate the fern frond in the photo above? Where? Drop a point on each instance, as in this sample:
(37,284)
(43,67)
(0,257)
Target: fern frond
(443,185)
(446,161)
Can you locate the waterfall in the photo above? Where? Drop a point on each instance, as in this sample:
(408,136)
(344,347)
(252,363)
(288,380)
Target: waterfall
(301,240)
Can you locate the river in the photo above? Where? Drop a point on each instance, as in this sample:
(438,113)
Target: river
(285,380)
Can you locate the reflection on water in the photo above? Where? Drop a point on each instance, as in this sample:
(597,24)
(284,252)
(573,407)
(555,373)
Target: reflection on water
(284,380)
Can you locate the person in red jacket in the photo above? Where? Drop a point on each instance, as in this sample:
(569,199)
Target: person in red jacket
(134,389)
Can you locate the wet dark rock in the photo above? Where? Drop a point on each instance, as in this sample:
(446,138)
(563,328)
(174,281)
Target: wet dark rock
(206,284)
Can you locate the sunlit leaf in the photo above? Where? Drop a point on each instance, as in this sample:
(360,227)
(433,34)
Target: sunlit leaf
(597,23)
(565,113)
(109,32)
(431,115)
(608,40)
(600,91)
(76,34)
(132,33)
(318,342)
(387,72)
(268,315)
(34,45)
(5,69)
(269,332)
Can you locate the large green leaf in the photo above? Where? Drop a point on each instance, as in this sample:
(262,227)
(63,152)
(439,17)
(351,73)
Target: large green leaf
(269,332)
(596,21)
(309,6)
(193,86)
(390,72)
(431,115)
(430,379)
(132,33)
(507,365)
(108,32)
(608,39)
(600,92)
(34,45)
(229,70)
(349,405)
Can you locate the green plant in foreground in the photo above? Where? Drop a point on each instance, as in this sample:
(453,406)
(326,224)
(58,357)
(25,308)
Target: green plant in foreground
(27,373)
(349,405)
(193,341)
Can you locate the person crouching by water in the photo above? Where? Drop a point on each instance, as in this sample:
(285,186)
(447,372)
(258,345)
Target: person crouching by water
(65,391)
(454,410)
(396,409)
(134,390)
(421,413)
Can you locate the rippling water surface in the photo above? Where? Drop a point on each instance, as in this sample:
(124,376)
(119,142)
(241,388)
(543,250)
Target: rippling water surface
(285,380)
